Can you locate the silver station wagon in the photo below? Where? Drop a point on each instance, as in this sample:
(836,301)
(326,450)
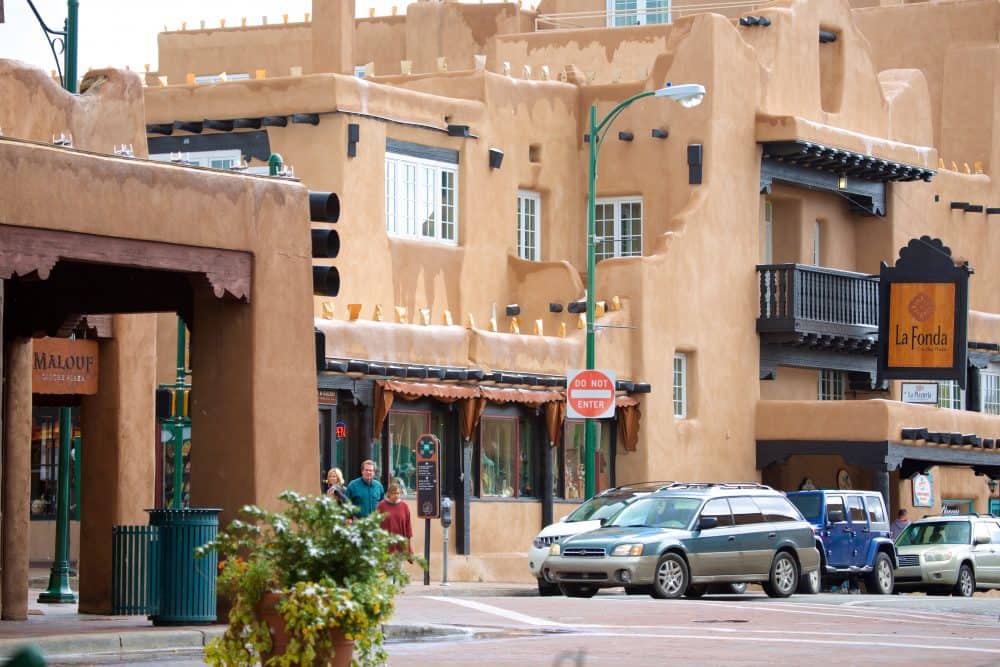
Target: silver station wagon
(679,540)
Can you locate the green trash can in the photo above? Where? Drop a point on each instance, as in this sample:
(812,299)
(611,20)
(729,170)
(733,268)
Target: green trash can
(187,584)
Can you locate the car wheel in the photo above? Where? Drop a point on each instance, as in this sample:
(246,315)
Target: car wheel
(545,589)
(578,590)
(670,580)
(966,584)
(881,579)
(638,590)
(739,588)
(784,576)
(695,591)
(809,583)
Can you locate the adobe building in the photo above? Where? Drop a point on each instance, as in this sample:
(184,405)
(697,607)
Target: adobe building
(93,245)
(738,240)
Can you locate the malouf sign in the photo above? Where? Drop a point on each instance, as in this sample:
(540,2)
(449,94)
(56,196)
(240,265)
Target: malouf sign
(923,315)
(64,366)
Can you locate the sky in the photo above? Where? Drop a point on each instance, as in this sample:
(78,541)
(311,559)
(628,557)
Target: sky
(122,33)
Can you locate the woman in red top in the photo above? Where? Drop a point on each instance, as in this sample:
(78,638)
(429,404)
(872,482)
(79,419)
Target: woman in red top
(397,516)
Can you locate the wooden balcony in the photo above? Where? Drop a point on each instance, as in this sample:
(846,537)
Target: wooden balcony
(818,307)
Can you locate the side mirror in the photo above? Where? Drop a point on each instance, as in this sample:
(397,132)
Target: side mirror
(835,516)
(706,522)
(983,539)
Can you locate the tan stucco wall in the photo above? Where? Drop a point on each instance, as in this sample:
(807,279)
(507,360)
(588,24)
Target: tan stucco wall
(42,541)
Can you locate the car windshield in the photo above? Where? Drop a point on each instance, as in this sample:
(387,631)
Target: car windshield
(936,532)
(810,504)
(599,508)
(670,512)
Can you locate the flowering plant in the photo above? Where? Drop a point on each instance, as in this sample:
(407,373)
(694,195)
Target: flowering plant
(334,570)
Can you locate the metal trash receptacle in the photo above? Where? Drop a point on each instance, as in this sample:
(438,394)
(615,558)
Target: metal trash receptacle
(187,584)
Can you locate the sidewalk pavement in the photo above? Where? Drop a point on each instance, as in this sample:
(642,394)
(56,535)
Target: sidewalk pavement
(60,632)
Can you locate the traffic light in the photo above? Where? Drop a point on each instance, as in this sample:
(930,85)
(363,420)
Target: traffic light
(325,207)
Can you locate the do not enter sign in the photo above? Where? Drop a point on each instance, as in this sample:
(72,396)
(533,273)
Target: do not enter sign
(590,394)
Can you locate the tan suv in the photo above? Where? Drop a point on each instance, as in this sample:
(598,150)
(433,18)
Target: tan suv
(949,554)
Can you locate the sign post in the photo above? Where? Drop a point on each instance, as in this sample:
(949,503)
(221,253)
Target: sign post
(428,490)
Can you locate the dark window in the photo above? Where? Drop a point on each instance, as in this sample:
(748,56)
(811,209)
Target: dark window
(876,513)
(777,509)
(405,428)
(745,511)
(810,504)
(835,504)
(718,509)
(856,509)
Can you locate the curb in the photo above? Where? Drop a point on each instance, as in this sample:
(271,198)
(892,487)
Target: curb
(60,647)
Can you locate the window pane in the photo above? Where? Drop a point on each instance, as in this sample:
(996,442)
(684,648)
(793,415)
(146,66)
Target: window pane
(835,504)
(776,509)
(657,11)
(718,509)
(604,231)
(875,513)
(498,459)
(625,12)
(680,385)
(831,385)
(856,510)
(404,429)
(631,229)
(573,459)
(526,461)
(448,205)
(991,393)
(745,511)
(950,395)
(421,198)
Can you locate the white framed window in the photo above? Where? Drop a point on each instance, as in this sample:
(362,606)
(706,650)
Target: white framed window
(529,233)
(950,395)
(618,228)
(989,389)
(421,198)
(831,385)
(220,77)
(637,12)
(225,159)
(680,385)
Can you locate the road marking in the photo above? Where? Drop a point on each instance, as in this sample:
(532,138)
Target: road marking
(504,613)
(790,609)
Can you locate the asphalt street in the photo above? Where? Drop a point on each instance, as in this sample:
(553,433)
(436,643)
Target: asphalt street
(750,629)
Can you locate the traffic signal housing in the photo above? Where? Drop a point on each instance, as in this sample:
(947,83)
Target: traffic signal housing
(324,207)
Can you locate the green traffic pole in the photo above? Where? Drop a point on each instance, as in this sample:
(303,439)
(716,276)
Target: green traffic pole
(177,419)
(72,28)
(59,590)
(590,428)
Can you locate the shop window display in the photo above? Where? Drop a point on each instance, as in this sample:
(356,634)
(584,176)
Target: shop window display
(45,464)
(573,483)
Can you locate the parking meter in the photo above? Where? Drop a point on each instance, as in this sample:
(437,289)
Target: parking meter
(446,504)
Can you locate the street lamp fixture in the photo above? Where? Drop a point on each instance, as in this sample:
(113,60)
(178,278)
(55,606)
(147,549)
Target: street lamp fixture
(687,95)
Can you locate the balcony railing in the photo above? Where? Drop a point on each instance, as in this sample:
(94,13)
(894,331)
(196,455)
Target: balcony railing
(811,300)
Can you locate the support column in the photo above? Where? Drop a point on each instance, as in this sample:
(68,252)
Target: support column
(16,480)
(119,426)
(882,484)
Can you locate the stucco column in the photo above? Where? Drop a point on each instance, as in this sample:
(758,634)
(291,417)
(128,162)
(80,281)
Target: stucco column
(16,480)
(118,428)
(333,36)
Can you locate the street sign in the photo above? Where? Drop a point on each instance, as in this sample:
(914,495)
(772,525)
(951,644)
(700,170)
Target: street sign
(428,479)
(590,394)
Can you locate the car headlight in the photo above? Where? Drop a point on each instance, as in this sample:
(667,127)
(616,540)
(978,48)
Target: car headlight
(937,556)
(627,550)
(555,549)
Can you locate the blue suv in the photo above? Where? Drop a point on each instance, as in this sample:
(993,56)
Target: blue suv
(852,535)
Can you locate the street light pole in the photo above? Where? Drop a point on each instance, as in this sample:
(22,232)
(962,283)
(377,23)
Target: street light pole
(687,95)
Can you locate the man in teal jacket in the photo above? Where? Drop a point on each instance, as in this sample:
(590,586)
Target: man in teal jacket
(366,492)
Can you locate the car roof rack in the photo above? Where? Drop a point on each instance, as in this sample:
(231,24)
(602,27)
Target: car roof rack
(637,486)
(719,485)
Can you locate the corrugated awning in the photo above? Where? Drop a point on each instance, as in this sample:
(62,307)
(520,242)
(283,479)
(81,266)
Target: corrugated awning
(526,396)
(448,392)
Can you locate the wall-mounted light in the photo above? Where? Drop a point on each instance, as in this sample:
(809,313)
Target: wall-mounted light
(496,158)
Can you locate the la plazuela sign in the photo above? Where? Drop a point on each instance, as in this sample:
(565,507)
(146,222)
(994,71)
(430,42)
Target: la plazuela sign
(64,366)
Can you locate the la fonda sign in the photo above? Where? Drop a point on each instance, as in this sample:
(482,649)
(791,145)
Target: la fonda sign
(590,394)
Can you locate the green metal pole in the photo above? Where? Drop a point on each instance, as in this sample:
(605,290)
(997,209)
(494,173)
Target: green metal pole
(177,419)
(59,590)
(72,27)
(590,427)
